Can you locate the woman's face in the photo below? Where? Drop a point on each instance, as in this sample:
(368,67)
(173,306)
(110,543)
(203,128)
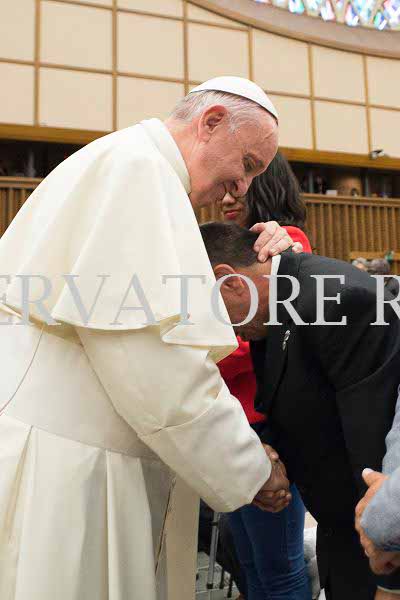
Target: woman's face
(235,210)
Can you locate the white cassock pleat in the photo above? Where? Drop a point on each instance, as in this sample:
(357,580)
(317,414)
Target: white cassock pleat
(93,500)
(129,529)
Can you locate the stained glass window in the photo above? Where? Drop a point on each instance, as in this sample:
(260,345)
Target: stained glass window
(379,14)
(296,6)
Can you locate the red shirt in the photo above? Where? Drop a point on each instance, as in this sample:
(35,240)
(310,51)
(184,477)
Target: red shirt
(237,371)
(237,368)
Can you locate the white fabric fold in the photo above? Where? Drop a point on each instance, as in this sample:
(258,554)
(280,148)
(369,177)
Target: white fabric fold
(118,208)
(186,416)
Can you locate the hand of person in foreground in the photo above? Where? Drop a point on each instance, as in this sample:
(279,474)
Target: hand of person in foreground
(382,595)
(374,480)
(274,496)
(384,563)
(273,239)
(381,563)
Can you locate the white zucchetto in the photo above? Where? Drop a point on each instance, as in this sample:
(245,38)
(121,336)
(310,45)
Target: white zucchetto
(239,86)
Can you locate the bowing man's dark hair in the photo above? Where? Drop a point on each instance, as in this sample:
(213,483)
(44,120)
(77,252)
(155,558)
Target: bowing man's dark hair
(228,243)
(275,196)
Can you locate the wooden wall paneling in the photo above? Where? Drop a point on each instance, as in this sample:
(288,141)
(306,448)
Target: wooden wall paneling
(363,229)
(338,217)
(354,227)
(13,194)
(340,227)
(311,225)
(320,245)
(381,239)
(395,222)
(3,209)
(330,237)
(370,214)
(386,226)
(346,228)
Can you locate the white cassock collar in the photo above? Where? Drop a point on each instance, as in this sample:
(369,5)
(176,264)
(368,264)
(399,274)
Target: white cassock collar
(166,144)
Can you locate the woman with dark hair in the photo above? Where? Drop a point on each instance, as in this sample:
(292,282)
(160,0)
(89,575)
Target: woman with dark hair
(270,546)
(276,193)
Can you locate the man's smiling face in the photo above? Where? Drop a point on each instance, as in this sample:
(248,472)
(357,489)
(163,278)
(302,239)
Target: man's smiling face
(227,161)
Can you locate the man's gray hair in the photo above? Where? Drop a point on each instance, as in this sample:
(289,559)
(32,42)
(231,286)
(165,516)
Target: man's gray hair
(241,110)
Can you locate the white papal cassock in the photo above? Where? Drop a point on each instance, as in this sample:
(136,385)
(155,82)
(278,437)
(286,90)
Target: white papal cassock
(100,417)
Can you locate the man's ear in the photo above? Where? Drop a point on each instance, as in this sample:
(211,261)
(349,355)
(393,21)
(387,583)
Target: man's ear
(211,118)
(233,282)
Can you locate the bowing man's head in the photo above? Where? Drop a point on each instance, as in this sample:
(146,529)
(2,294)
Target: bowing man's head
(230,249)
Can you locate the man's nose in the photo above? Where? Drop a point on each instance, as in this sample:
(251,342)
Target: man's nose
(240,187)
(228,199)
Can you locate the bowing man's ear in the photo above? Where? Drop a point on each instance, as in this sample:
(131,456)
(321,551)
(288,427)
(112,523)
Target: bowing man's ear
(233,282)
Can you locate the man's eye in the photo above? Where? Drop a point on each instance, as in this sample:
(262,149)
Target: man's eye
(247,166)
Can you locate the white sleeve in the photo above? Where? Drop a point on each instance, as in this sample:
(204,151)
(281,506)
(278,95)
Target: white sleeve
(175,399)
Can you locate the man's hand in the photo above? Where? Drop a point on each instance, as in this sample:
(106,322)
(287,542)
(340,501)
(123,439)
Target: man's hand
(274,496)
(374,480)
(381,595)
(384,563)
(381,563)
(273,239)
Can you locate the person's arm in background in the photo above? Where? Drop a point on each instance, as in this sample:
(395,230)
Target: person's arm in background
(179,406)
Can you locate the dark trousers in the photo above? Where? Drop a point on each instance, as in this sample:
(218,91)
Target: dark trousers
(343,567)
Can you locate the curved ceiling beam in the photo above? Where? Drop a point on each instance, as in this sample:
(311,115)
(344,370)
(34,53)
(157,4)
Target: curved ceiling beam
(301,27)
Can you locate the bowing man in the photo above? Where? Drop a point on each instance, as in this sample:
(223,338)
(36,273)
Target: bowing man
(327,379)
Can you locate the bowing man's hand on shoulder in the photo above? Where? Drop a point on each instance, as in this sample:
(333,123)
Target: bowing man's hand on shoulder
(274,496)
(273,239)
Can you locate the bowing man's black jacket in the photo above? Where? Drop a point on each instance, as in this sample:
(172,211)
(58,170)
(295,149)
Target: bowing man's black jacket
(329,393)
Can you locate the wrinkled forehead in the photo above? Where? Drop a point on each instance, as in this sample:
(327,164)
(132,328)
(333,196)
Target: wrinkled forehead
(260,132)
(260,142)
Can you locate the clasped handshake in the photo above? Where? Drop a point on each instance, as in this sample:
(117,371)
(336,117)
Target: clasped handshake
(274,496)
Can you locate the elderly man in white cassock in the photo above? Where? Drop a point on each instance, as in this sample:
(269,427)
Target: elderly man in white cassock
(115,418)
